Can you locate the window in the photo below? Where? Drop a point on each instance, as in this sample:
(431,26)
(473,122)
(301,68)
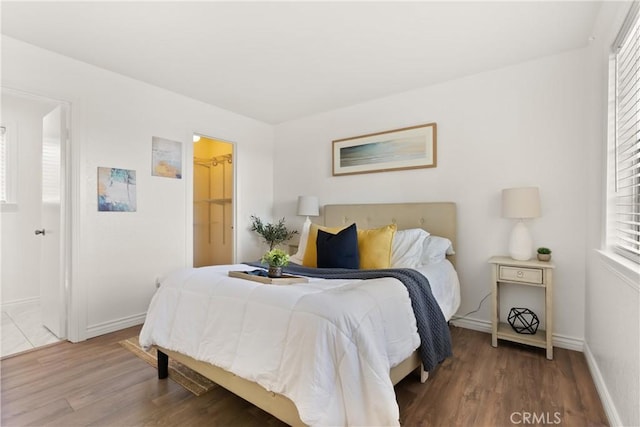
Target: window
(626,196)
(51,170)
(3,164)
(8,165)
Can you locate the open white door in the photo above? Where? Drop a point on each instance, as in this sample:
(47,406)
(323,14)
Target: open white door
(52,231)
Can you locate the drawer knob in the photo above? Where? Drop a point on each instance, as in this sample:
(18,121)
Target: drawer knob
(520,274)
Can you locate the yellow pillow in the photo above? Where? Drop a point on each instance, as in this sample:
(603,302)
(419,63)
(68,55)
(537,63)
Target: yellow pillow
(374,246)
(311,252)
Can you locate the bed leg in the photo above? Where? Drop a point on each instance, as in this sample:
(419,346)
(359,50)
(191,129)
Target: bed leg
(163,365)
(423,374)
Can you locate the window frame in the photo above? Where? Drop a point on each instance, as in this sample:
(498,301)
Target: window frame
(623,210)
(10,200)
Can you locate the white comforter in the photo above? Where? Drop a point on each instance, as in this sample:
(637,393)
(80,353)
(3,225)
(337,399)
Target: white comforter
(328,345)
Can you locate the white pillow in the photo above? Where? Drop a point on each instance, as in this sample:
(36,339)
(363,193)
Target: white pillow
(436,248)
(406,248)
(302,244)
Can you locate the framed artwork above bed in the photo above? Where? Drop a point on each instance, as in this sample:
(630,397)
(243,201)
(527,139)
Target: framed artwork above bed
(407,148)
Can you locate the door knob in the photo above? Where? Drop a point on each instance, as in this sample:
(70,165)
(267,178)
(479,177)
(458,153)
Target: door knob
(40,232)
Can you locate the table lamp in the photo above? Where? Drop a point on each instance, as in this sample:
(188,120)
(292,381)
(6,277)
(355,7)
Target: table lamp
(520,204)
(308,206)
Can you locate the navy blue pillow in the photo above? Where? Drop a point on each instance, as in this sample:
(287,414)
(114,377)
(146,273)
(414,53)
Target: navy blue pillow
(338,250)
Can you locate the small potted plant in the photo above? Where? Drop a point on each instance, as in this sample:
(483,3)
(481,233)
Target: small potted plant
(273,234)
(276,258)
(544,254)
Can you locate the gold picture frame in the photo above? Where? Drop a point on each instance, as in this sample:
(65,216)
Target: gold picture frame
(399,149)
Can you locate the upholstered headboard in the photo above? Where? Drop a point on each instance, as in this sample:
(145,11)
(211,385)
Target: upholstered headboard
(438,218)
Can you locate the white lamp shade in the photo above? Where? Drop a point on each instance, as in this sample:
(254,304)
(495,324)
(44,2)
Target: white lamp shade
(521,203)
(308,206)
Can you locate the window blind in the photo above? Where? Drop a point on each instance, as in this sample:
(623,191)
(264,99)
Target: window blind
(51,170)
(3,165)
(627,137)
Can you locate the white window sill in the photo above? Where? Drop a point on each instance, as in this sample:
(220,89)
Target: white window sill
(8,207)
(625,268)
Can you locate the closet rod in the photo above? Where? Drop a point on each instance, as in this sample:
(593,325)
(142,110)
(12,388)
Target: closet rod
(213,161)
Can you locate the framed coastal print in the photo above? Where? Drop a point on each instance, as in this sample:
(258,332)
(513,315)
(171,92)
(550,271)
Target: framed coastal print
(166,158)
(407,148)
(116,190)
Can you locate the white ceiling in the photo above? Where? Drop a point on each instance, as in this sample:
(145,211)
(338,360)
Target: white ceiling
(277,61)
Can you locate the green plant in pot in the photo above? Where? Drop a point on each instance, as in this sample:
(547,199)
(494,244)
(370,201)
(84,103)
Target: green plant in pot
(544,254)
(273,234)
(276,259)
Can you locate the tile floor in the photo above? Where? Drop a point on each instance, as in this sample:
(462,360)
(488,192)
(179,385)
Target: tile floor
(22,329)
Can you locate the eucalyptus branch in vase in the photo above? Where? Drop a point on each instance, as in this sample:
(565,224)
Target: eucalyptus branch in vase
(272,234)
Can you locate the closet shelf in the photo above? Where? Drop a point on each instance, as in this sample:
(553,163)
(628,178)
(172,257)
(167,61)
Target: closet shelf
(215,201)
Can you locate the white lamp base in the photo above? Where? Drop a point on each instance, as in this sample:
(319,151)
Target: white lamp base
(302,243)
(520,242)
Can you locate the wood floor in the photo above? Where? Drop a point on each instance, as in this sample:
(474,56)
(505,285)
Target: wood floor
(99,383)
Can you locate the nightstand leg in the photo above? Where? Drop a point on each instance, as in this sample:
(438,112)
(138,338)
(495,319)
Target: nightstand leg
(495,307)
(549,312)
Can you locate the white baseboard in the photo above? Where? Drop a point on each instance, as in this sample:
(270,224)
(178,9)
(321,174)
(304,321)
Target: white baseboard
(473,324)
(603,392)
(115,325)
(31,300)
(570,343)
(562,341)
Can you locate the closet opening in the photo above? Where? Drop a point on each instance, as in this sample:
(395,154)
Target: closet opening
(213,189)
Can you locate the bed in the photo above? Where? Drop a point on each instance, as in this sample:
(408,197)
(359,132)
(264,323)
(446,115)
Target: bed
(349,391)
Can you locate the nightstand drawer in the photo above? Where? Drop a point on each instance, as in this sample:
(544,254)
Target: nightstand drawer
(519,274)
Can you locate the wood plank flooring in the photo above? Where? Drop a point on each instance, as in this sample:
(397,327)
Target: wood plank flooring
(99,383)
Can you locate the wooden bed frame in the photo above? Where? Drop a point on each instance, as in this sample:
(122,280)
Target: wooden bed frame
(437,218)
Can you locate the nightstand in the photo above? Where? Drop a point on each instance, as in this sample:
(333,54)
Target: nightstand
(509,272)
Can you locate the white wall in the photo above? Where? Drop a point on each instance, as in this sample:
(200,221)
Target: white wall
(517,126)
(612,311)
(20,246)
(117,256)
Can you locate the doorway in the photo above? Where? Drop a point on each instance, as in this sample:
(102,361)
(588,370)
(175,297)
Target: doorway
(213,190)
(34,221)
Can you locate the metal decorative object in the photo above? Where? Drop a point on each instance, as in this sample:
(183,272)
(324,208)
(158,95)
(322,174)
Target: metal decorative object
(523,320)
